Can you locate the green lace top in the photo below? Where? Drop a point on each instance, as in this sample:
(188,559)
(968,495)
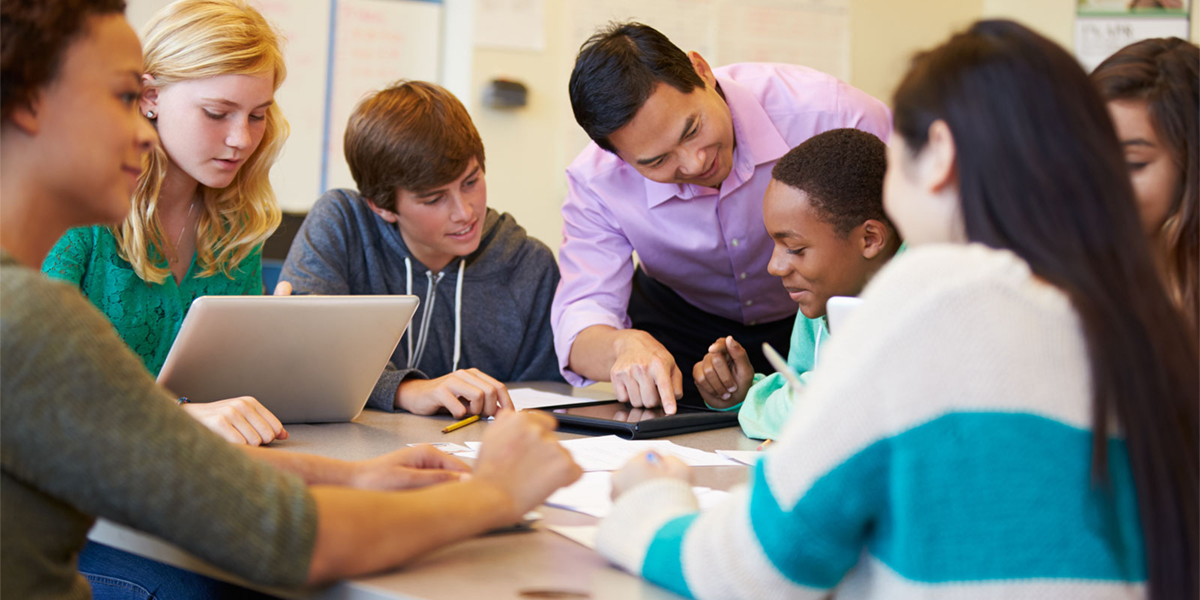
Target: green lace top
(147,316)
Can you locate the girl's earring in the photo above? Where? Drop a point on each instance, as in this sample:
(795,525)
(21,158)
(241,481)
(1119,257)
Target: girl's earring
(150,114)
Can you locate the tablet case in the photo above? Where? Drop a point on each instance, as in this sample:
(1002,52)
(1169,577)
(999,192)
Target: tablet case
(686,420)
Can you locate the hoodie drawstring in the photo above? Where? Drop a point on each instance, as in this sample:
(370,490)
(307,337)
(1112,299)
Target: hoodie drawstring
(408,291)
(817,346)
(413,360)
(462,265)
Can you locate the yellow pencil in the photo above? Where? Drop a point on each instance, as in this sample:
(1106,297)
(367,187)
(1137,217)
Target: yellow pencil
(461,424)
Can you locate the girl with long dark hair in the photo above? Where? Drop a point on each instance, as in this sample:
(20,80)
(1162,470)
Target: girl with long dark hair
(1012,413)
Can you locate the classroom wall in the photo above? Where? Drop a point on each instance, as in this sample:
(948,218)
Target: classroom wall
(525,147)
(884,35)
(528,149)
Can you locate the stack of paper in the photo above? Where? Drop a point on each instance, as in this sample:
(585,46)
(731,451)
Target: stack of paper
(525,398)
(592,495)
(609,453)
(746,457)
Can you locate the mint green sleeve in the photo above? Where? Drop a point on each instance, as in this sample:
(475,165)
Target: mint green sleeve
(768,403)
(766,408)
(69,258)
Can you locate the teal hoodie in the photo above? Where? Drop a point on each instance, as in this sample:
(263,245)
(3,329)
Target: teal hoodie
(768,404)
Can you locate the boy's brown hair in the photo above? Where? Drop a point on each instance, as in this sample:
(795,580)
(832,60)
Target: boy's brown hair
(414,136)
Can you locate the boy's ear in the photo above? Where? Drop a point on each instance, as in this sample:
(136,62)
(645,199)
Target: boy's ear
(875,237)
(383,213)
(24,115)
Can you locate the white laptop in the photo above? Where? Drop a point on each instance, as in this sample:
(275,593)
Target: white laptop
(307,359)
(838,309)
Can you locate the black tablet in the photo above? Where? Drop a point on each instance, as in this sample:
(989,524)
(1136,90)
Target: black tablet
(612,417)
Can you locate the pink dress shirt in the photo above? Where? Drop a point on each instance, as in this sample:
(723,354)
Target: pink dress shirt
(710,246)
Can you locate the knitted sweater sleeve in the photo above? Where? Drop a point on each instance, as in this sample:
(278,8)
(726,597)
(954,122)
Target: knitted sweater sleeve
(163,472)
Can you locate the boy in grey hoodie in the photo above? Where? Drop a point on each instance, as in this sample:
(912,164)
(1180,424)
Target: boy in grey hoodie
(420,225)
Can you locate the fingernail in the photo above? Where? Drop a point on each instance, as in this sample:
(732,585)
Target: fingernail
(733,389)
(724,396)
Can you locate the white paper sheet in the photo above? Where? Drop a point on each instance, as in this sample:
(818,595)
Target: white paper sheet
(609,452)
(584,535)
(592,495)
(525,398)
(746,457)
(447,447)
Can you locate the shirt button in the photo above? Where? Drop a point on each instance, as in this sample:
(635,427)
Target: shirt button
(734,242)
(749,303)
(743,275)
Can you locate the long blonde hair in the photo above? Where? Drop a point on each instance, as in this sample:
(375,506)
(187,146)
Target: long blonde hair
(194,39)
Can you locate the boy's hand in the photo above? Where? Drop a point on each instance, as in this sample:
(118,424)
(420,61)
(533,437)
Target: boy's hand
(463,392)
(724,375)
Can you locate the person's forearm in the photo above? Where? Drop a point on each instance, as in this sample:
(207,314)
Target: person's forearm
(364,532)
(595,350)
(314,470)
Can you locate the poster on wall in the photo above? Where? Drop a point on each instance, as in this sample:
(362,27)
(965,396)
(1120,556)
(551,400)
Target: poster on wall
(1104,26)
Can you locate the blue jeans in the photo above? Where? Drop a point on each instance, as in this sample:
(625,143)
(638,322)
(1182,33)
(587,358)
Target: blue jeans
(117,575)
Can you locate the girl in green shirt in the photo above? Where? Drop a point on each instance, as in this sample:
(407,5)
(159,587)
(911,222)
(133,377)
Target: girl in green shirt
(203,204)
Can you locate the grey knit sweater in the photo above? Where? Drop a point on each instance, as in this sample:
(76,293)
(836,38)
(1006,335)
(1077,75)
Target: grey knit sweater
(507,287)
(86,433)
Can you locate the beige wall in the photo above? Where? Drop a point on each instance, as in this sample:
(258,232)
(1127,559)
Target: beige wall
(884,34)
(524,146)
(529,148)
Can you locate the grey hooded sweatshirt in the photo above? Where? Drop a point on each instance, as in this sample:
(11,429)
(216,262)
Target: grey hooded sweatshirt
(501,321)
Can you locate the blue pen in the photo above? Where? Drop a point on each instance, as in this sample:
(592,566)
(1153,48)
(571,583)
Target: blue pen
(652,457)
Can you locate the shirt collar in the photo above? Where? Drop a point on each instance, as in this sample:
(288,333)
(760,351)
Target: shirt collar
(758,142)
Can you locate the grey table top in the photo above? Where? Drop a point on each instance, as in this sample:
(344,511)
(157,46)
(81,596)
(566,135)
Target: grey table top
(537,564)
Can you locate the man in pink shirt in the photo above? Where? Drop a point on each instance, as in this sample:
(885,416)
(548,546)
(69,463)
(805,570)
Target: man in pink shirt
(681,156)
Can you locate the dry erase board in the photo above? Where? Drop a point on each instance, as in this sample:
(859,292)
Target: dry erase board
(336,52)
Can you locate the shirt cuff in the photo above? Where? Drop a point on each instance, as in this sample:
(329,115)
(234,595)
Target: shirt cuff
(570,325)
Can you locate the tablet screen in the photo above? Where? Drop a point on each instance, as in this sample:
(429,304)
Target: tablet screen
(618,411)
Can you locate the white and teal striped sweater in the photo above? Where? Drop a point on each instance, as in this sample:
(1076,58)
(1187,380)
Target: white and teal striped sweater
(942,450)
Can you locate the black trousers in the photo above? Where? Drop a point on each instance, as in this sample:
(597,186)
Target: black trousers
(687,331)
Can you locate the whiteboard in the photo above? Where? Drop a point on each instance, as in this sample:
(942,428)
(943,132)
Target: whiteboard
(336,51)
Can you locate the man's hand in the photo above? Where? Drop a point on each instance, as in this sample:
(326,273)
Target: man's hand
(724,375)
(239,420)
(644,374)
(413,467)
(463,392)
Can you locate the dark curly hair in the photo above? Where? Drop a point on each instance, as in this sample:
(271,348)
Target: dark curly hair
(34,34)
(841,170)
